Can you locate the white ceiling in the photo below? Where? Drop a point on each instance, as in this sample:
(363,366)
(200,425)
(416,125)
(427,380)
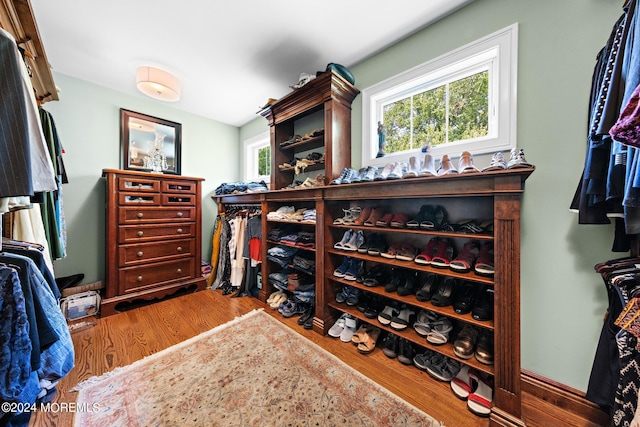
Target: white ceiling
(230,56)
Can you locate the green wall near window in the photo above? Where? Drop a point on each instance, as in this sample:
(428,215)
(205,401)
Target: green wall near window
(563,299)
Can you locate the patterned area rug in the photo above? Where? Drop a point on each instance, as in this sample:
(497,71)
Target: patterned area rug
(252,371)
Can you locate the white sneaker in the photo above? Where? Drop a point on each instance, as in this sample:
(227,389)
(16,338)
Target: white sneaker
(350,327)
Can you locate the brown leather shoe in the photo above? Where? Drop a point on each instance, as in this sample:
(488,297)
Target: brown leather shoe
(364,214)
(465,164)
(465,343)
(376,215)
(446,167)
(484,348)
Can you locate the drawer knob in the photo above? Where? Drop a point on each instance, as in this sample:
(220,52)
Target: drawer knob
(179,270)
(140,214)
(179,230)
(180,214)
(140,233)
(139,254)
(139,279)
(179,248)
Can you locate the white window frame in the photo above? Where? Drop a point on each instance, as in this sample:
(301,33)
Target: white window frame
(250,155)
(497,53)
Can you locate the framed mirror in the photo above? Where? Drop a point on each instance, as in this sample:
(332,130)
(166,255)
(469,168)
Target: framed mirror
(149,143)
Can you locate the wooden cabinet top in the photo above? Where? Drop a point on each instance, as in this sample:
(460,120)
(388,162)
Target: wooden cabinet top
(148,175)
(310,97)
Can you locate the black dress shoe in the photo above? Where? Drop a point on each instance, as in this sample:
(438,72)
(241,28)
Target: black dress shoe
(311,311)
(406,352)
(465,298)
(376,305)
(483,309)
(409,285)
(444,295)
(429,286)
(390,345)
(397,277)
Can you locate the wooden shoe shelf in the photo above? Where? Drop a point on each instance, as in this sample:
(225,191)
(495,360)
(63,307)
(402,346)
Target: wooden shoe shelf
(494,196)
(323,103)
(481,196)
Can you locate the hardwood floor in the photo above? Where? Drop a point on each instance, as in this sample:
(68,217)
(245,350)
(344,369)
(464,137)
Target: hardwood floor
(123,338)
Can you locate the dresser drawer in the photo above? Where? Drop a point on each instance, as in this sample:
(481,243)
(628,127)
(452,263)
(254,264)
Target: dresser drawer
(153,275)
(141,215)
(143,253)
(145,233)
(139,199)
(138,184)
(178,199)
(169,186)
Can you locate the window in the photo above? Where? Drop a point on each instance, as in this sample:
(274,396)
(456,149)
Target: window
(462,101)
(257,158)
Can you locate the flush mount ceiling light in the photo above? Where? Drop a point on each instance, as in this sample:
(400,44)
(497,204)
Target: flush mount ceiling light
(158,84)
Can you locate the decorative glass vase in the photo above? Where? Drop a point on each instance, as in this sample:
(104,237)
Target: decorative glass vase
(157,160)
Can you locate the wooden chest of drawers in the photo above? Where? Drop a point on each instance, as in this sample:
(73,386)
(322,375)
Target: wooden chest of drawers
(153,236)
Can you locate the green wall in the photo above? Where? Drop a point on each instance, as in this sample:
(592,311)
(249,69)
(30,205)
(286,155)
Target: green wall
(563,300)
(88,121)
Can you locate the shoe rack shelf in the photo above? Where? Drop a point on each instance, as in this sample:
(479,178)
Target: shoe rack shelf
(483,196)
(328,95)
(494,196)
(410,335)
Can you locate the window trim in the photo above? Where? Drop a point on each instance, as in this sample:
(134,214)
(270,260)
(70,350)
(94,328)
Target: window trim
(251,147)
(498,50)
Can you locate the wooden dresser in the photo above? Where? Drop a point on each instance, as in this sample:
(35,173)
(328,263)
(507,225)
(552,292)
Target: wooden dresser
(153,236)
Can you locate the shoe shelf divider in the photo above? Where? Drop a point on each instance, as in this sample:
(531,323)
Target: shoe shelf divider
(498,193)
(330,95)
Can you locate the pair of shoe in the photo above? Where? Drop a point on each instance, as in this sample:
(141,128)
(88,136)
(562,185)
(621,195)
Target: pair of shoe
(404,251)
(443,368)
(366,338)
(306,320)
(438,253)
(292,307)
(346,177)
(394,346)
(366,174)
(429,217)
(351,269)
(276,298)
(344,328)
(350,215)
(435,328)
(374,245)
(516,161)
(351,240)
(471,341)
(370,305)
(394,170)
(468,384)
(348,295)
(375,276)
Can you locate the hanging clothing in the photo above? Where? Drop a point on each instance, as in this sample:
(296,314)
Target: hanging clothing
(215,251)
(610,184)
(27,166)
(52,204)
(224,260)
